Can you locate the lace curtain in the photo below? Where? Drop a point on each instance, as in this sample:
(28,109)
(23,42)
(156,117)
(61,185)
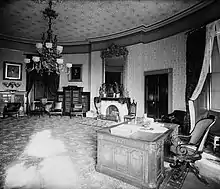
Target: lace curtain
(210,34)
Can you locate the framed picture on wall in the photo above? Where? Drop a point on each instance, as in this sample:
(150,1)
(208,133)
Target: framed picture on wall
(12,71)
(76,73)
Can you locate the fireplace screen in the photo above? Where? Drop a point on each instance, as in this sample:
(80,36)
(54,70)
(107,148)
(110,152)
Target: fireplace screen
(112,112)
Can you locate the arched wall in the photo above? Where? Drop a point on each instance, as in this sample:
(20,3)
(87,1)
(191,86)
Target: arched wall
(162,54)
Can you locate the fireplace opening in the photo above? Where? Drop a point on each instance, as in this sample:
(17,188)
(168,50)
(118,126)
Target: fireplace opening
(112,113)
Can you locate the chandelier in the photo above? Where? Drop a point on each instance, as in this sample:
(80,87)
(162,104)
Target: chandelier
(49,53)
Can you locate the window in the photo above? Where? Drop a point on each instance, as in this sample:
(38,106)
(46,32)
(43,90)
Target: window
(215,78)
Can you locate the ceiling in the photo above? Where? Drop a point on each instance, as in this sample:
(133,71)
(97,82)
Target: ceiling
(81,20)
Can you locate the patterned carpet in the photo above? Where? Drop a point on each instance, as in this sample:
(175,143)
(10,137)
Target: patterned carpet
(79,138)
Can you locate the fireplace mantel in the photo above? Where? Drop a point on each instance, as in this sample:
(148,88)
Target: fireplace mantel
(108,101)
(110,98)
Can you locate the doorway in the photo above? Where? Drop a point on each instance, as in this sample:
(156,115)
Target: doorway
(158,85)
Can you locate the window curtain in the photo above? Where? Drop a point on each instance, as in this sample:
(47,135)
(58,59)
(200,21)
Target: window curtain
(52,83)
(30,78)
(217,25)
(210,34)
(195,47)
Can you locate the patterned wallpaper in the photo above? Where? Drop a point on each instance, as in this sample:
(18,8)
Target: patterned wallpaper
(169,53)
(75,59)
(161,54)
(79,20)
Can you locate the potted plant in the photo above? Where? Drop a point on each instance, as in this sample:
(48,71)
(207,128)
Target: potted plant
(103,90)
(111,90)
(117,89)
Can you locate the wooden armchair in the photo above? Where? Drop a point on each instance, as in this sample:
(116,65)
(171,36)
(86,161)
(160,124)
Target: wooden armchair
(76,110)
(36,108)
(56,109)
(11,109)
(188,149)
(131,112)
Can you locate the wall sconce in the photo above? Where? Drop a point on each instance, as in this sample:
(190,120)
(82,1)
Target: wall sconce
(68,66)
(11,84)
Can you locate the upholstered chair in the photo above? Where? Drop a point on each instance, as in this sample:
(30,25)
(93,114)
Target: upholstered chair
(76,110)
(56,109)
(188,149)
(11,109)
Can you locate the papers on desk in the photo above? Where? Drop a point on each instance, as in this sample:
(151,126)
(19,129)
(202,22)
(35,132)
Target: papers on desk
(125,129)
(154,128)
(128,129)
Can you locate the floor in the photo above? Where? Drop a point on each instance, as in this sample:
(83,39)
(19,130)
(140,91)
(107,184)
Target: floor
(77,153)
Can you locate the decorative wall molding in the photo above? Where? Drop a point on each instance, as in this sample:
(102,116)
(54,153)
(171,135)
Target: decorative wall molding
(147,28)
(142,28)
(11,84)
(143,34)
(114,51)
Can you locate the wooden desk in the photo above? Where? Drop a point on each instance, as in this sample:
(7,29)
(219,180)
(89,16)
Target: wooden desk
(137,159)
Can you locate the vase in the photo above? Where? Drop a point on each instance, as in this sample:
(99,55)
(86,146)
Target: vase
(117,95)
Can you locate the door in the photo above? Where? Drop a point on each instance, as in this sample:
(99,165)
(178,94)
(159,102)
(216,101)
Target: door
(156,95)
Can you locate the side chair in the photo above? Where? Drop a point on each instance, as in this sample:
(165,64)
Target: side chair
(76,110)
(56,109)
(131,112)
(188,149)
(36,109)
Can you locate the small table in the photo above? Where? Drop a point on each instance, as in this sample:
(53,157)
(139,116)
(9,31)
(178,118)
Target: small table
(214,140)
(137,159)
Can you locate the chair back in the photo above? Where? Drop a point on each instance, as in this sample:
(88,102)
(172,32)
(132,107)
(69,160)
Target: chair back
(77,107)
(57,105)
(133,108)
(200,132)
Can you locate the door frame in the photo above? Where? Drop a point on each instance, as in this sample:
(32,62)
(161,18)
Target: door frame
(168,71)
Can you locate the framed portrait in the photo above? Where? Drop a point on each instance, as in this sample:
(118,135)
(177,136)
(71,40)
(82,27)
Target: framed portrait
(12,71)
(76,73)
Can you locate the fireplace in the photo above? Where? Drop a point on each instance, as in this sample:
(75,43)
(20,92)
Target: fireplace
(112,107)
(112,110)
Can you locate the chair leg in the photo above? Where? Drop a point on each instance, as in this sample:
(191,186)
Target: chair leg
(194,169)
(177,164)
(178,170)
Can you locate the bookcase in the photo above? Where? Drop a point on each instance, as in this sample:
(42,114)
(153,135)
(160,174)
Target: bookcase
(59,96)
(71,95)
